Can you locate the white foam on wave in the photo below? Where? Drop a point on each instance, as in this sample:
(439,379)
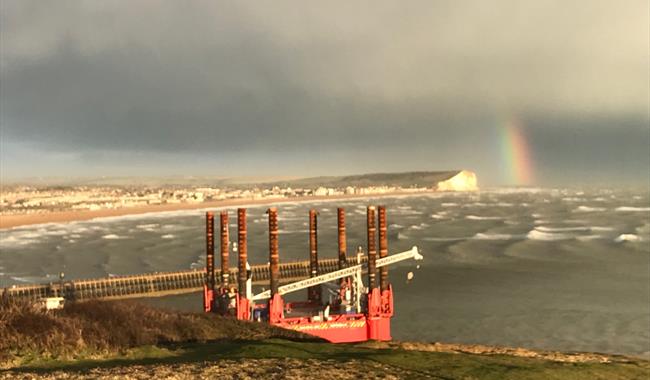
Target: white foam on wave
(168,236)
(627,237)
(482,236)
(547,236)
(112,237)
(632,209)
(478,217)
(394,225)
(476,204)
(449,204)
(573,199)
(148,227)
(420,226)
(561,229)
(599,228)
(401,236)
(589,209)
(13,241)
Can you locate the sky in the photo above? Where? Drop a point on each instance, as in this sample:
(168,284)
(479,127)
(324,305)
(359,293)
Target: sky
(288,88)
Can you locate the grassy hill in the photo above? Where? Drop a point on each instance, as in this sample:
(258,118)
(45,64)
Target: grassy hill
(404,179)
(128,340)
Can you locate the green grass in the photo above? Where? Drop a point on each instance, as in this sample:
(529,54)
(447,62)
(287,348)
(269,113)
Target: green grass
(116,334)
(435,364)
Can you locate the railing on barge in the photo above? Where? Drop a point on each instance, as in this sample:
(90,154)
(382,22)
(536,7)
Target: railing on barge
(160,284)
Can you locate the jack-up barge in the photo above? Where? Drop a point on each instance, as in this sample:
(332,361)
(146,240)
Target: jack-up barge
(357,313)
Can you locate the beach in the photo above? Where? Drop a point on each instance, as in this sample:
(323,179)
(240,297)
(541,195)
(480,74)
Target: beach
(19,220)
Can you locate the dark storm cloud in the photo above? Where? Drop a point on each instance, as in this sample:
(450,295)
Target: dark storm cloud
(110,78)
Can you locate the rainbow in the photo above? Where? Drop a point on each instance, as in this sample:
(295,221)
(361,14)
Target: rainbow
(516,154)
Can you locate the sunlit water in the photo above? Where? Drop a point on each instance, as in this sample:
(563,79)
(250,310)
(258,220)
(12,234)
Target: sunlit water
(553,269)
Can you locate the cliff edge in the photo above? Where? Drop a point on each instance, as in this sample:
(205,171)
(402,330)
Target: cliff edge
(464,180)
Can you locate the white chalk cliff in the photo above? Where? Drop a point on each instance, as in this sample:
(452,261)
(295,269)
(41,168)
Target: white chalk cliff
(465,180)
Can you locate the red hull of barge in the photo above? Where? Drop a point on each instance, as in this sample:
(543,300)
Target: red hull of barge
(342,328)
(373,324)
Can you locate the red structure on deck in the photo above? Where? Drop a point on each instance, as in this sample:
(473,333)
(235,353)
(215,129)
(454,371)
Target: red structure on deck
(355,314)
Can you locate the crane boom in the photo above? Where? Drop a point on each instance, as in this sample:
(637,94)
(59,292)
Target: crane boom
(412,253)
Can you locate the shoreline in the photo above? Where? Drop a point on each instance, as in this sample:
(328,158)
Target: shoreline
(23,220)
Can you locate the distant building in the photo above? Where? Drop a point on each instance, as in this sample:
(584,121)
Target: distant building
(320,192)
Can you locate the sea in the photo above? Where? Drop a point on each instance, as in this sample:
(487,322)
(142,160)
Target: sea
(558,269)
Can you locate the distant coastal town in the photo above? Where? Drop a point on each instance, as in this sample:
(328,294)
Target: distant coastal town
(29,200)
(35,204)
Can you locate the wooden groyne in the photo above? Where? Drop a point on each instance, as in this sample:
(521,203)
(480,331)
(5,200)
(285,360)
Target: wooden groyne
(160,284)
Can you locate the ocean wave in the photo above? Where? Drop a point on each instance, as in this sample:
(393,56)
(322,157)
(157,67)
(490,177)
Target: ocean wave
(483,236)
(148,227)
(14,241)
(644,229)
(573,199)
(517,190)
(627,237)
(401,236)
(168,236)
(573,229)
(46,232)
(477,217)
(589,209)
(449,204)
(632,209)
(445,238)
(589,237)
(476,204)
(113,237)
(548,236)
(408,212)
(420,226)
(394,225)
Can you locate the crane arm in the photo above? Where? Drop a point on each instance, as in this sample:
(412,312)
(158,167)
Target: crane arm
(412,253)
